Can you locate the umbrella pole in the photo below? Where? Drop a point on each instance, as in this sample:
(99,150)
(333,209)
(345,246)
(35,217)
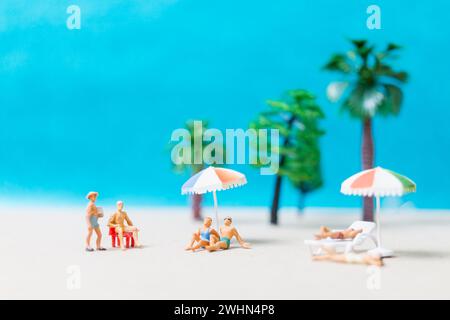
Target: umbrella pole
(380,251)
(215,209)
(377,213)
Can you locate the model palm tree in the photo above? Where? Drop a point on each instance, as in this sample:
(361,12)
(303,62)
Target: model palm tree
(304,165)
(296,117)
(370,86)
(194,168)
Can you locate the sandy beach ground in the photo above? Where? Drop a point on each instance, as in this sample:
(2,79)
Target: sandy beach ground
(43,257)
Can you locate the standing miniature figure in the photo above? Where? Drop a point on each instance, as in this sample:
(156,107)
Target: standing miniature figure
(117,221)
(92,215)
(227,233)
(203,236)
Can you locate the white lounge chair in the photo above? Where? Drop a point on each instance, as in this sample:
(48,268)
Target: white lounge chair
(318,247)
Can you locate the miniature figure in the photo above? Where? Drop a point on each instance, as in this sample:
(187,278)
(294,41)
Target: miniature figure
(117,221)
(92,215)
(227,233)
(203,236)
(351,258)
(326,232)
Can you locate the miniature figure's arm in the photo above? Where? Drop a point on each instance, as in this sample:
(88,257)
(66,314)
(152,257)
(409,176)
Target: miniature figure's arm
(241,241)
(89,213)
(88,221)
(215,233)
(128,220)
(112,221)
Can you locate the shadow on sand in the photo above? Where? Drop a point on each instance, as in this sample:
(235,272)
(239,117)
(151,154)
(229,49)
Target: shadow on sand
(263,241)
(142,247)
(422,254)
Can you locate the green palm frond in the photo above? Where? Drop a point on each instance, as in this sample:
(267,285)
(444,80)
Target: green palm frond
(297,117)
(392,101)
(373,85)
(392,47)
(339,63)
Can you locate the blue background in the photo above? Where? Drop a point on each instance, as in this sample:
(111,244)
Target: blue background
(93,109)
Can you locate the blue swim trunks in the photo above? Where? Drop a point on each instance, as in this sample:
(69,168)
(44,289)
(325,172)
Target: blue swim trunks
(94,221)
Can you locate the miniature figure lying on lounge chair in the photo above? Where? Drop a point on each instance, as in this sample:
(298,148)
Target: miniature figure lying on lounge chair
(327,233)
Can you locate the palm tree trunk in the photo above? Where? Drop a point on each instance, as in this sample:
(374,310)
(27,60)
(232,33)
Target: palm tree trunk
(368,160)
(301,202)
(276,201)
(197,206)
(277,191)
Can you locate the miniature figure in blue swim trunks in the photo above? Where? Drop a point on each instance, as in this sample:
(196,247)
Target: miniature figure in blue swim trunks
(227,232)
(203,236)
(92,215)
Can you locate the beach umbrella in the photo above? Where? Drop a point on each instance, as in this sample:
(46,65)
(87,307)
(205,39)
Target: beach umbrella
(213,179)
(378,182)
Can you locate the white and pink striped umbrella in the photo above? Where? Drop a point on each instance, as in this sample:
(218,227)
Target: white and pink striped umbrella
(378,182)
(213,179)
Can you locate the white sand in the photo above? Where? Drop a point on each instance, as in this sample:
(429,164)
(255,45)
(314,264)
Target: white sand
(39,245)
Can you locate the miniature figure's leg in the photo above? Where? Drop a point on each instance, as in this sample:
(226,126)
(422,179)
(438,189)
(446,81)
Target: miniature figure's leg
(120,237)
(340,258)
(323,257)
(99,237)
(353,259)
(324,232)
(88,238)
(195,238)
(219,245)
(135,232)
(136,238)
(213,240)
(201,243)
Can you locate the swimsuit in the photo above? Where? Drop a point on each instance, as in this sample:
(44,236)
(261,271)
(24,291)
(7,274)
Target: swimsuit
(205,235)
(94,221)
(226,240)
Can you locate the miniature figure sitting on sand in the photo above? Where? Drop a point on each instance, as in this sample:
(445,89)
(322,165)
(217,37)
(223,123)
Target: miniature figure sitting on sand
(118,220)
(227,233)
(208,238)
(202,237)
(213,179)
